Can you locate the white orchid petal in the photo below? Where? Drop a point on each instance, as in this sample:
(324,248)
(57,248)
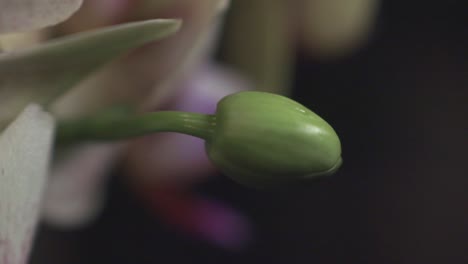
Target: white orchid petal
(24,158)
(76,190)
(19,15)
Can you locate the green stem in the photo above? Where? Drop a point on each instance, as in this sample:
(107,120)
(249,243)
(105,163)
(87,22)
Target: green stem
(123,126)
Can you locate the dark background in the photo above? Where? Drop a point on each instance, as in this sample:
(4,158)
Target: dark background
(400,107)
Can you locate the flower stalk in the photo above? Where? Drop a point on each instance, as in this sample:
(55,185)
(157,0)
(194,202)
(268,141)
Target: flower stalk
(119,125)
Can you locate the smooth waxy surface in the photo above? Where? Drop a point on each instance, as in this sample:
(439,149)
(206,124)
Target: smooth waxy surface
(267,139)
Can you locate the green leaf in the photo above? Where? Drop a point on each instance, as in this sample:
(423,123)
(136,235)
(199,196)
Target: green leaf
(45,72)
(19,15)
(25,148)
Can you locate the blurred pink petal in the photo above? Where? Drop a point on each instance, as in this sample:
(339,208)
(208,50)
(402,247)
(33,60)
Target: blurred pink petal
(24,159)
(97,13)
(75,194)
(222,225)
(76,190)
(171,158)
(160,165)
(207,219)
(149,75)
(180,56)
(110,9)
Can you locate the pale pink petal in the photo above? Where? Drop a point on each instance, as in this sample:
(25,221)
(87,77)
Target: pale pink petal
(97,13)
(190,52)
(110,9)
(25,148)
(76,191)
(150,75)
(171,158)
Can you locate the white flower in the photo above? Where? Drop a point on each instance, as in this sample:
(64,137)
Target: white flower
(40,74)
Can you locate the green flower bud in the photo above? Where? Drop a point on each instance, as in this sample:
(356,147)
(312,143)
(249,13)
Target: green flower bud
(256,138)
(263,139)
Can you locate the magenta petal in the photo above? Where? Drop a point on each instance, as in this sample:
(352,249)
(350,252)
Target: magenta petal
(221,225)
(203,218)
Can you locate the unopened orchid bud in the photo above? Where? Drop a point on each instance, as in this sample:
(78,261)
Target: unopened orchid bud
(267,139)
(256,138)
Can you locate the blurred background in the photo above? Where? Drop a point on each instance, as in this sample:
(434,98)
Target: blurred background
(398,101)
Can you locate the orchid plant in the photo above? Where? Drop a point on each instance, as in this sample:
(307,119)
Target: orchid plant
(67,67)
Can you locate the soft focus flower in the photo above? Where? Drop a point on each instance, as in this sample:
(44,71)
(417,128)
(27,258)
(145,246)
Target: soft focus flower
(40,74)
(164,166)
(199,216)
(66,76)
(171,158)
(263,35)
(26,143)
(174,70)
